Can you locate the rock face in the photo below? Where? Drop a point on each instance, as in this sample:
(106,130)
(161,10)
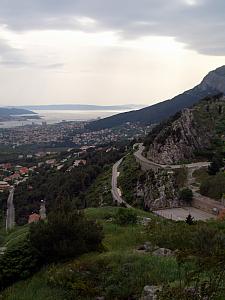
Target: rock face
(158,189)
(215,80)
(178,141)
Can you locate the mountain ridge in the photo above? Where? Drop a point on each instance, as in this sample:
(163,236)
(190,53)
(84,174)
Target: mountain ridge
(81,107)
(212,83)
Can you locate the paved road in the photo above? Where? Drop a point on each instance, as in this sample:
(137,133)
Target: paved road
(115,190)
(152,164)
(181,213)
(10,215)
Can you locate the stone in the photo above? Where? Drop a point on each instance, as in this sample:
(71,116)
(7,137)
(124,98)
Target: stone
(150,292)
(145,221)
(2,250)
(163,252)
(147,247)
(141,248)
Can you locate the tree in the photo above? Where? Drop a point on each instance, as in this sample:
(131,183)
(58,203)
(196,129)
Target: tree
(189,220)
(65,235)
(216,164)
(186,194)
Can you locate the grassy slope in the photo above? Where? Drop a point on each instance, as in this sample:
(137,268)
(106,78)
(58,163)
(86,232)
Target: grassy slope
(127,181)
(130,270)
(99,193)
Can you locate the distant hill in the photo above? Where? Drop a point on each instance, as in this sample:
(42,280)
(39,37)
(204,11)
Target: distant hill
(83,107)
(212,84)
(11,111)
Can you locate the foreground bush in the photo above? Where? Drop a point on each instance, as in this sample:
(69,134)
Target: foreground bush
(65,235)
(19,262)
(126,216)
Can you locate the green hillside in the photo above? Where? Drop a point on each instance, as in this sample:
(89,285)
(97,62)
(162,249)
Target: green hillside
(121,270)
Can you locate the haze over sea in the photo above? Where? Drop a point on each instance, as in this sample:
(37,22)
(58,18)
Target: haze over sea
(56,116)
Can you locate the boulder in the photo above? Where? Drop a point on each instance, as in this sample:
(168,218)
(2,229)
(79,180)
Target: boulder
(147,247)
(163,252)
(150,292)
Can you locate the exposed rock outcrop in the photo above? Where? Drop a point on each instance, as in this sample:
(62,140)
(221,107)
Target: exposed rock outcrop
(178,141)
(158,190)
(150,292)
(215,80)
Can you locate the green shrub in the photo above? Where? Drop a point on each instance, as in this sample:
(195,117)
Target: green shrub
(18,262)
(213,186)
(125,216)
(186,194)
(65,235)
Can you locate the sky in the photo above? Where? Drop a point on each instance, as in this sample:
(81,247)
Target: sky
(106,51)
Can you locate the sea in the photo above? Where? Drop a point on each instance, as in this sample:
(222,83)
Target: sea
(57,116)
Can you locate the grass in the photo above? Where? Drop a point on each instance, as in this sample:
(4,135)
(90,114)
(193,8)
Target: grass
(99,194)
(201,175)
(116,273)
(35,288)
(129,174)
(15,235)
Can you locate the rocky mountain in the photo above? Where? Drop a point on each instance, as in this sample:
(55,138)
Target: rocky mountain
(212,83)
(194,131)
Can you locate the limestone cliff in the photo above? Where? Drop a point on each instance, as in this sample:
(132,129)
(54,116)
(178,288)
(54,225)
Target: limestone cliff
(178,141)
(187,133)
(158,190)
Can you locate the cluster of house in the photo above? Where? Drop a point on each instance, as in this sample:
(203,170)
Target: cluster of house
(12,175)
(77,163)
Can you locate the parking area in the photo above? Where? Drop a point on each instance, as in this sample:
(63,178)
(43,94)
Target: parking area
(180,214)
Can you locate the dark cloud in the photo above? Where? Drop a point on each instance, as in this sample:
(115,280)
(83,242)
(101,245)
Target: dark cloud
(198,23)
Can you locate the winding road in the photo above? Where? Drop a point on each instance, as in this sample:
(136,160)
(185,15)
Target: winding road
(116,193)
(10,215)
(148,164)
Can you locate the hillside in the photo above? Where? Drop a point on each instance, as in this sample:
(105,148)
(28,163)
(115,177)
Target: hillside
(132,263)
(196,131)
(6,112)
(213,83)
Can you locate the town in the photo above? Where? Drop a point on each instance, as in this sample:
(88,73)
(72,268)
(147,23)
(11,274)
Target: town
(68,134)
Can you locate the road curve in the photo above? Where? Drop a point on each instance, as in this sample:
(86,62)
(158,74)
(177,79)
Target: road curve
(138,155)
(10,215)
(115,190)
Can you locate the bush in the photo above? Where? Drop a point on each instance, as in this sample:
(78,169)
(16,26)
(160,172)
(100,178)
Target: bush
(18,262)
(64,236)
(186,194)
(216,164)
(214,186)
(126,216)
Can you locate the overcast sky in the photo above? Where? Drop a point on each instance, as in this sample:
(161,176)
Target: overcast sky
(106,51)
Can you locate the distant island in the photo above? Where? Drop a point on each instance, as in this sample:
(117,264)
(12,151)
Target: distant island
(12,113)
(82,107)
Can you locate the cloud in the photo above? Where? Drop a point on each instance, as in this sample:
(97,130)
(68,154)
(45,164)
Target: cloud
(200,24)
(10,56)
(54,66)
